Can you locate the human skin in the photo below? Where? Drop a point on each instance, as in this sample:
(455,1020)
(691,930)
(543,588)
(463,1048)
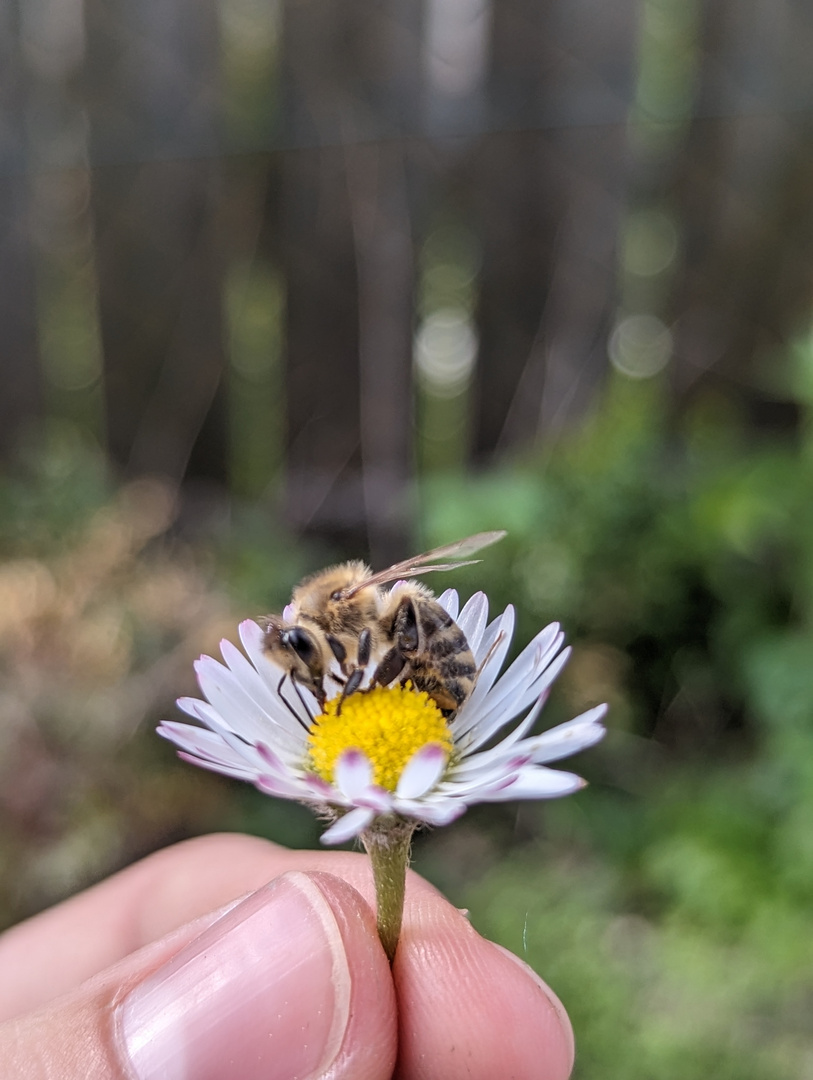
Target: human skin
(189,964)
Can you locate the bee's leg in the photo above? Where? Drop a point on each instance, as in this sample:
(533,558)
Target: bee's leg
(365,646)
(405,633)
(338,651)
(353,683)
(390,667)
(405,626)
(350,687)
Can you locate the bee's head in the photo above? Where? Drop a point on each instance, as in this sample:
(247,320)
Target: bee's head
(294,649)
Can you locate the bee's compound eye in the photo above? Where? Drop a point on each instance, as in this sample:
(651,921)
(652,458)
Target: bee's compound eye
(300,642)
(337,595)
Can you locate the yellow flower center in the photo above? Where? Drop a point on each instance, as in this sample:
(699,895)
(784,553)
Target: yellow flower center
(388,725)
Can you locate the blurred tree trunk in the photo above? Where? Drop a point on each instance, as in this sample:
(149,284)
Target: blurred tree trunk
(745,195)
(385,266)
(21,401)
(351,77)
(152,77)
(520,200)
(549,184)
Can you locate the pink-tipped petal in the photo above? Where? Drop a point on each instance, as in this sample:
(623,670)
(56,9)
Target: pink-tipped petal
(353,774)
(318,789)
(217,766)
(274,761)
(348,826)
(202,743)
(375,798)
(280,786)
(422,772)
(438,811)
(538,782)
(570,738)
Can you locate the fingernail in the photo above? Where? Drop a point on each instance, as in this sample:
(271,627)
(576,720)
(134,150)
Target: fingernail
(558,1008)
(263,993)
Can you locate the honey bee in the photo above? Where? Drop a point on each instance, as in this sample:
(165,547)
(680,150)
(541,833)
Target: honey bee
(344,617)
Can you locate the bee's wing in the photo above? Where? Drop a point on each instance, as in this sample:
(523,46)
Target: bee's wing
(461,548)
(423,564)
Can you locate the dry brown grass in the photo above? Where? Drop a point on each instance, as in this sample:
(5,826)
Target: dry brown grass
(96,641)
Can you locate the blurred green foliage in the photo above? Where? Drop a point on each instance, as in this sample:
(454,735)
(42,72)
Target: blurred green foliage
(670,903)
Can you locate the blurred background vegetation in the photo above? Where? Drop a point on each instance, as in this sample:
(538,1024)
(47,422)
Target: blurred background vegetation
(285,282)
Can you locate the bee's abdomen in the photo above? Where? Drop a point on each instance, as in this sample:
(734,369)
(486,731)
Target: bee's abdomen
(435,619)
(448,692)
(446,668)
(459,667)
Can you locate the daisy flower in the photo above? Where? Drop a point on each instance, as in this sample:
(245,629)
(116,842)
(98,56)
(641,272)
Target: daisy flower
(380,762)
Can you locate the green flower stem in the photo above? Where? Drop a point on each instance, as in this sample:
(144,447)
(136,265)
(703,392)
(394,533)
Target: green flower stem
(388,844)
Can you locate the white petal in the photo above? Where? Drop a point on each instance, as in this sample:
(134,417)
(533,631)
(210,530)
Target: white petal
(482,786)
(450,602)
(189,705)
(569,738)
(433,810)
(473,619)
(376,798)
(245,672)
(203,711)
(252,636)
(487,640)
(499,633)
(216,766)
(500,709)
(271,759)
(199,741)
(534,659)
(230,700)
(519,679)
(559,742)
(244,750)
(523,727)
(320,790)
(473,762)
(353,773)
(281,786)
(272,675)
(422,772)
(285,744)
(348,826)
(267,697)
(238,710)
(537,782)
(216,753)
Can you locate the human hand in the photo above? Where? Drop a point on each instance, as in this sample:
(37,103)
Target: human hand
(161,972)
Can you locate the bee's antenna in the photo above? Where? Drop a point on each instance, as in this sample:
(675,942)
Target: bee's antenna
(287,703)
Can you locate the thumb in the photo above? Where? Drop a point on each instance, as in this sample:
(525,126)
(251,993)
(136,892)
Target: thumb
(291,981)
